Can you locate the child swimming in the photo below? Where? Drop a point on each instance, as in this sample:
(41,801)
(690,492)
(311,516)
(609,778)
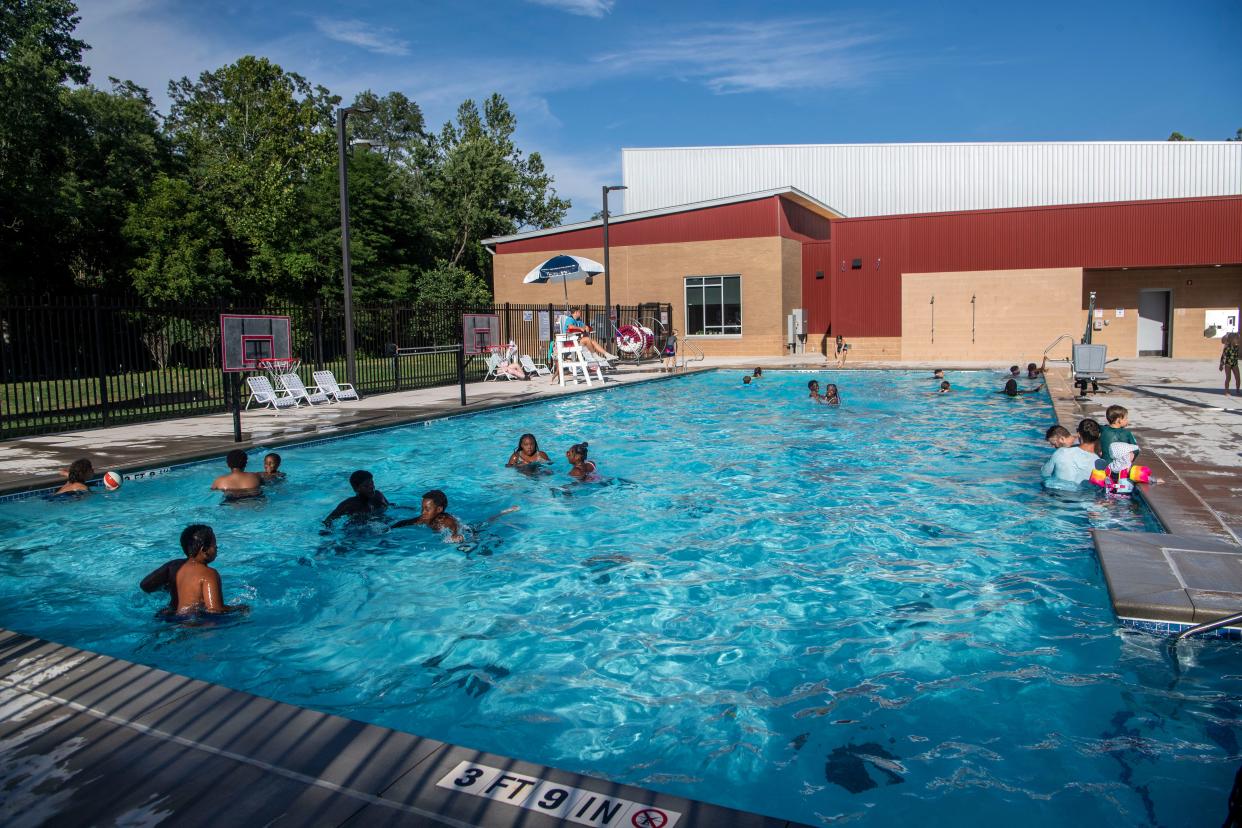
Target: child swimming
(271,468)
(583,468)
(945,387)
(366,502)
(238,482)
(527,453)
(831,395)
(79,473)
(813,386)
(434,516)
(197,585)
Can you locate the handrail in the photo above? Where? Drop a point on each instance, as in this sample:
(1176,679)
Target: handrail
(1209,626)
(1057,342)
(688,345)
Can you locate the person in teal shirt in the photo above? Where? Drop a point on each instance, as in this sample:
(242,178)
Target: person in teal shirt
(1117,430)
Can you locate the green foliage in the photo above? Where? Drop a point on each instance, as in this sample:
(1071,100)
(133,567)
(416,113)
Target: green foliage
(483,186)
(449,284)
(1177,136)
(235,193)
(1237,136)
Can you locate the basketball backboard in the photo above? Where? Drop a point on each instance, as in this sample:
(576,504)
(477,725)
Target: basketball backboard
(247,340)
(479,332)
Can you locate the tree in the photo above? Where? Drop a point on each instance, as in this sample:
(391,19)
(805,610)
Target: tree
(1237,136)
(1177,136)
(117,155)
(448,284)
(483,186)
(38,55)
(388,240)
(250,136)
(394,125)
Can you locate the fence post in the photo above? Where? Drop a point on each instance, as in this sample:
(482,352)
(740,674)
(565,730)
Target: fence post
(100,360)
(461,371)
(318,333)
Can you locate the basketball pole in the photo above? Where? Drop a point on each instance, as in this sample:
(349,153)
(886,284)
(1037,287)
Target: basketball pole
(235,382)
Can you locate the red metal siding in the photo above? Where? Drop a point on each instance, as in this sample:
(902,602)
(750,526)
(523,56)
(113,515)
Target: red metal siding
(867,302)
(799,223)
(744,220)
(817,293)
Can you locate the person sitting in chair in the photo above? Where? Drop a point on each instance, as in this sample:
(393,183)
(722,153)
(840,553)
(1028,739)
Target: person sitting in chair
(573,324)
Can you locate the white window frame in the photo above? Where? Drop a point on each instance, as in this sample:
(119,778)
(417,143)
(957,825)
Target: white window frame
(685,306)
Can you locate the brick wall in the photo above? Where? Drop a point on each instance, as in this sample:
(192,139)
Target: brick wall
(770,268)
(1017,314)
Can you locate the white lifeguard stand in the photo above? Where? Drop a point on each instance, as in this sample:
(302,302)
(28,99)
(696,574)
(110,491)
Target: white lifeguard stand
(570,359)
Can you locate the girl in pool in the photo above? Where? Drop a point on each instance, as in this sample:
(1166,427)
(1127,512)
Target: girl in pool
(813,387)
(583,469)
(831,395)
(527,453)
(80,471)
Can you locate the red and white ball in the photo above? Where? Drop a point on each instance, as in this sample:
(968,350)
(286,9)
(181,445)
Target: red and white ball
(111,481)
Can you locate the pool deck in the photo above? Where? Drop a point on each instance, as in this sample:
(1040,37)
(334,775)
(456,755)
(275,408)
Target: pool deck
(86,740)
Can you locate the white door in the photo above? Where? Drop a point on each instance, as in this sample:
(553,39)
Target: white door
(1153,323)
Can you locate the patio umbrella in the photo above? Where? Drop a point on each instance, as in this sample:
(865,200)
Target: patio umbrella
(564,267)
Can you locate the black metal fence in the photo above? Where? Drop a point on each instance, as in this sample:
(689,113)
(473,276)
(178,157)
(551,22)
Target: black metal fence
(84,363)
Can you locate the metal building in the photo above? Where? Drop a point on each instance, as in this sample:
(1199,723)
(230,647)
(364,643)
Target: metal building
(890,179)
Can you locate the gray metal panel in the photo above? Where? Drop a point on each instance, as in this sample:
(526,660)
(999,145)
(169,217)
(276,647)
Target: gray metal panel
(889,179)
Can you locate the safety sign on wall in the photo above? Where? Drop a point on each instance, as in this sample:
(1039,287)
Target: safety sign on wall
(555,800)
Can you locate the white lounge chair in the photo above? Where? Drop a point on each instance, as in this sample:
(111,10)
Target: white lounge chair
(261,392)
(293,384)
(326,382)
(533,368)
(493,369)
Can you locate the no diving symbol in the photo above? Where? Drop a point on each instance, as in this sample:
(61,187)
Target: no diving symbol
(649,818)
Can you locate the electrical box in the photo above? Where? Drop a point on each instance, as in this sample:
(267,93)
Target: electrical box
(799,323)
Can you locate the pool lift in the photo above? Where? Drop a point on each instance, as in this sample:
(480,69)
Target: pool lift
(1087,360)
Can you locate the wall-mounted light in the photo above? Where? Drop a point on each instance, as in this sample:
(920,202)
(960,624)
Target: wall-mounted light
(856,264)
(819,274)
(877,264)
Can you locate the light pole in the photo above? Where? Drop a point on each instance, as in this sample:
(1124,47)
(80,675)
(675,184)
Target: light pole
(351,372)
(612,325)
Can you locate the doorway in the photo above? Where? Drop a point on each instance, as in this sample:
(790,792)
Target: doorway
(1153,322)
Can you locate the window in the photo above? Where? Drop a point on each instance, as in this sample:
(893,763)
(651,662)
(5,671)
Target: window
(713,305)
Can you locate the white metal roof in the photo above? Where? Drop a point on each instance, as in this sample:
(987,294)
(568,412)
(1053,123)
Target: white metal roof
(792,193)
(886,179)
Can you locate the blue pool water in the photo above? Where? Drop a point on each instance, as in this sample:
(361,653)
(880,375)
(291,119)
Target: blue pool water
(814,613)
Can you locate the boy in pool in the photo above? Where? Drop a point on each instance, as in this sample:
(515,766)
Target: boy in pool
(80,471)
(945,387)
(366,502)
(197,586)
(527,453)
(813,387)
(434,516)
(1070,467)
(1117,430)
(1058,436)
(238,482)
(271,468)
(165,577)
(938,373)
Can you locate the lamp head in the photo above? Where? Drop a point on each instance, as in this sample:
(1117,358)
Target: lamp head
(590,279)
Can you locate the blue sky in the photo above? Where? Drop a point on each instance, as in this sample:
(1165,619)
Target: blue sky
(588,77)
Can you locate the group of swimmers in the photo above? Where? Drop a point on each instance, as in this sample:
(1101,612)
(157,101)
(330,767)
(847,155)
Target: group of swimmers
(1100,454)
(194,586)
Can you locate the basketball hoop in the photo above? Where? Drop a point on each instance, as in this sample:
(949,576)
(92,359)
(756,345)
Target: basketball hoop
(274,368)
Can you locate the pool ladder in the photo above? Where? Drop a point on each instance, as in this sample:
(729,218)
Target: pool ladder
(1208,626)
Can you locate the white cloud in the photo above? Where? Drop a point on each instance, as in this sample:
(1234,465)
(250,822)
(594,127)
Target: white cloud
(760,57)
(377,39)
(586,8)
(579,176)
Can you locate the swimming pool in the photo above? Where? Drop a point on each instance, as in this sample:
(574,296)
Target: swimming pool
(808,612)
